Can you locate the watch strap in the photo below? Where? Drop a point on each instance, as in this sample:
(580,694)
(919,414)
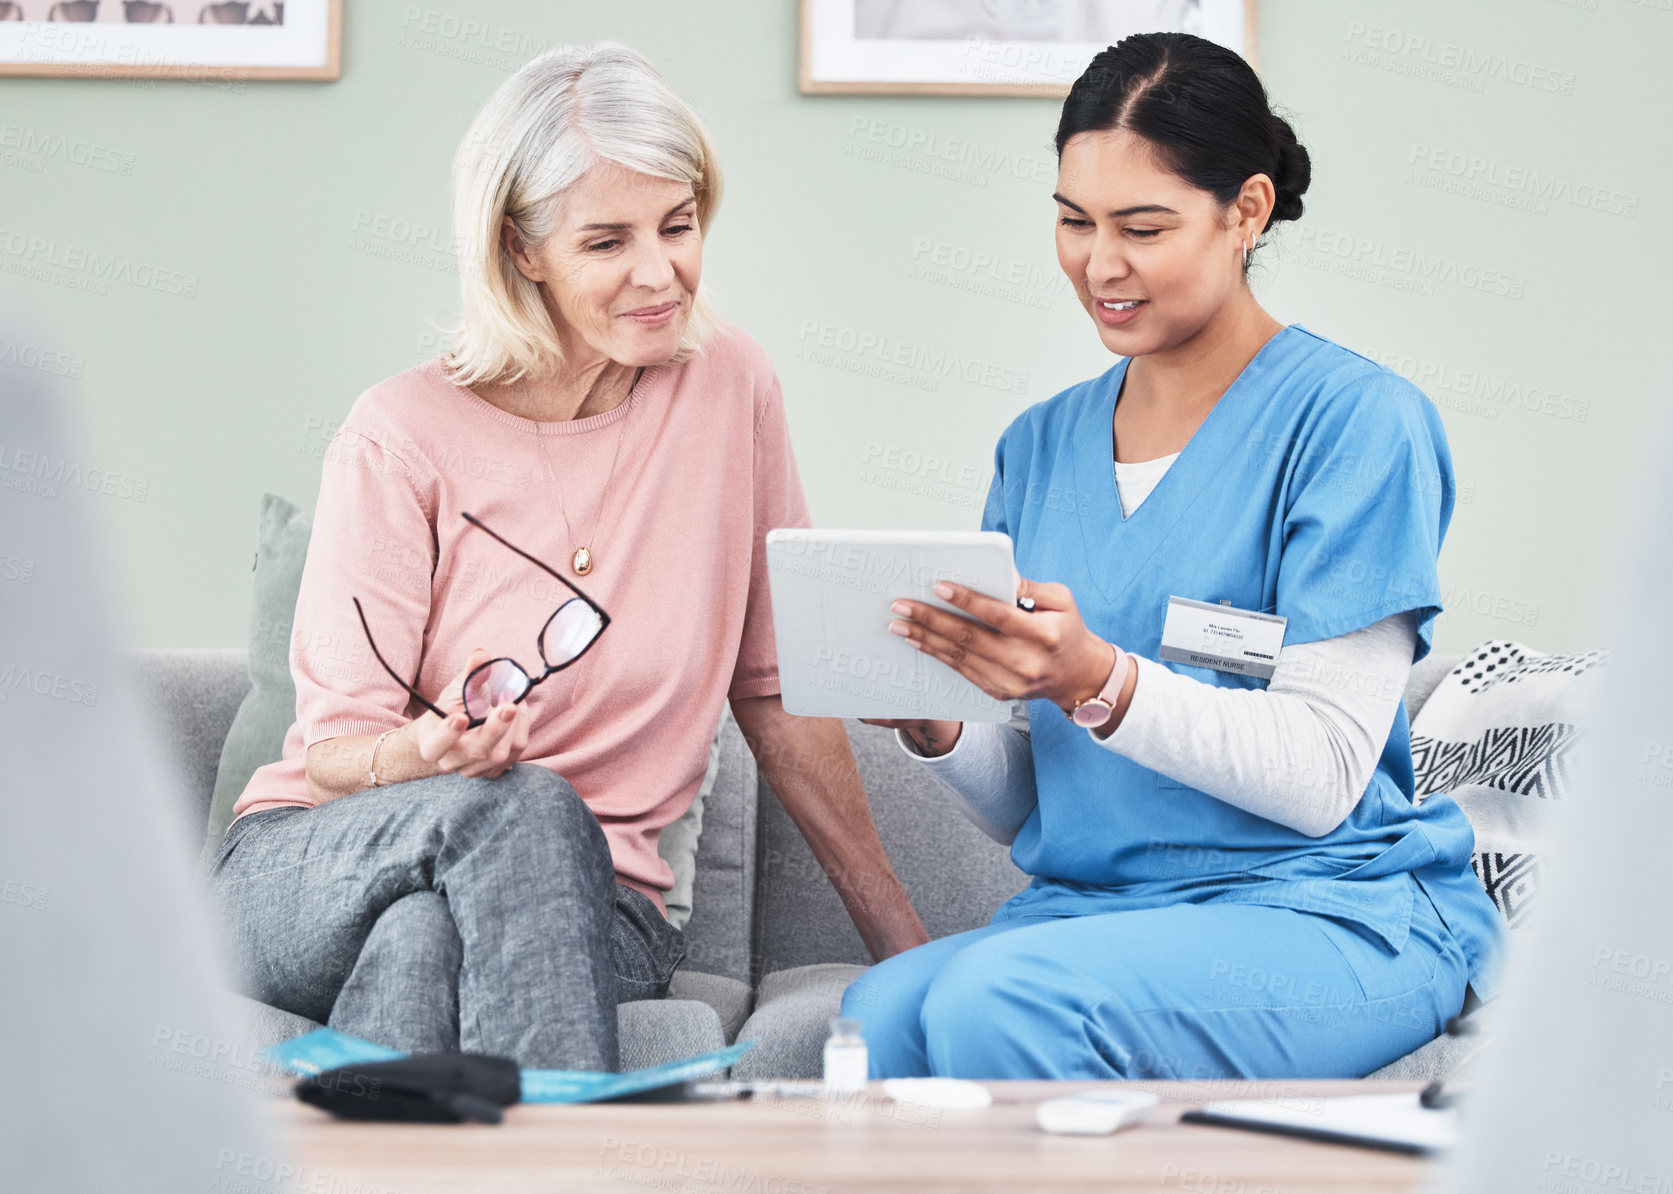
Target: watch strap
(1110,692)
(1118,677)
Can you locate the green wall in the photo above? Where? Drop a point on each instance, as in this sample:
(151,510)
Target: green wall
(292,214)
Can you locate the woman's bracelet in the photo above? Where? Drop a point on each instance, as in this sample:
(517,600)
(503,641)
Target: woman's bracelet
(372,771)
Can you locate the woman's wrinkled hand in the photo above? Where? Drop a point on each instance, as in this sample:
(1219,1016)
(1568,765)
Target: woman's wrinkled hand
(489,750)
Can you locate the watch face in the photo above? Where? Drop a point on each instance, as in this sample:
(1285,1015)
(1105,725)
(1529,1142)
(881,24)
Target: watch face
(1092,714)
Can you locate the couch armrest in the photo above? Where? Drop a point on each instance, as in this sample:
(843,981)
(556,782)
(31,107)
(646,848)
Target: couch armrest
(190,697)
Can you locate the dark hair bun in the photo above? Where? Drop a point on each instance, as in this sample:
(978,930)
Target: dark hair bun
(1294,172)
(1201,106)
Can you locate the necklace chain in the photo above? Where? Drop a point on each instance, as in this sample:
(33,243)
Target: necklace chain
(582,559)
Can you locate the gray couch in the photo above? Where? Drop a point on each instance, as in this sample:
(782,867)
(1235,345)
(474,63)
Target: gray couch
(770,947)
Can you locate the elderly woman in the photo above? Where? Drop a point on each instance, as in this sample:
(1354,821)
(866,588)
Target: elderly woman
(536,574)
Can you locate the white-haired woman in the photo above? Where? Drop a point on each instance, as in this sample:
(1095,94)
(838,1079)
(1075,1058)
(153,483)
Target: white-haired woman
(536,576)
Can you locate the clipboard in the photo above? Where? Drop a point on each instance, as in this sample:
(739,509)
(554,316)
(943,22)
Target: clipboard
(1394,1122)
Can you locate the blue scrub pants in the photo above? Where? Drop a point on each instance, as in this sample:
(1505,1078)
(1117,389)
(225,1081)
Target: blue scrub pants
(1185,991)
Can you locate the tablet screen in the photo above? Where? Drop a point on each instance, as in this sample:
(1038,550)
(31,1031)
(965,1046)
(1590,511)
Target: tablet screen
(831,595)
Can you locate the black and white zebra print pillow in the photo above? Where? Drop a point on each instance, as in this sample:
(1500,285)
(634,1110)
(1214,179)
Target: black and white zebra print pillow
(1498,734)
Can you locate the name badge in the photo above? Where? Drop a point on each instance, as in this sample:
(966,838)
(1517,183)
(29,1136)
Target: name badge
(1222,637)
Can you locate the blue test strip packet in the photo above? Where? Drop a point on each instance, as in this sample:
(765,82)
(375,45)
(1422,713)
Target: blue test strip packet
(583,1086)
(326,1049)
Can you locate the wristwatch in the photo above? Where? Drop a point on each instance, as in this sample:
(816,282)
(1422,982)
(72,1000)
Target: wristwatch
(1095,711)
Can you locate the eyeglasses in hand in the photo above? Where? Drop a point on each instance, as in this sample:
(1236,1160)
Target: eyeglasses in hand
(567,635)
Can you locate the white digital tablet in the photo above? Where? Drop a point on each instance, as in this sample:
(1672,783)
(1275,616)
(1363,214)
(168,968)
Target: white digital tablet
(831,596)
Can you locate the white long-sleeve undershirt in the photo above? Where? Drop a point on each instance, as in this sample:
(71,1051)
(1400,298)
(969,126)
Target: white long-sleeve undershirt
(1300,752)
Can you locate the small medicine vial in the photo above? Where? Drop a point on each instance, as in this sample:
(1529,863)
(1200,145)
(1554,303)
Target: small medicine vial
(846,1063)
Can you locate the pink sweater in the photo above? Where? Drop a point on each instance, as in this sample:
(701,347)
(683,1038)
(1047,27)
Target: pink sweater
(705,470)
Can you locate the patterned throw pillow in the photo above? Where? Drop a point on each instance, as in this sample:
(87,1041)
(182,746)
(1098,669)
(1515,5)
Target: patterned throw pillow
(1498,734)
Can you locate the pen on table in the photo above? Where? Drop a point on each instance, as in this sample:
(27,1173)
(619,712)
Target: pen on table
(736,1089)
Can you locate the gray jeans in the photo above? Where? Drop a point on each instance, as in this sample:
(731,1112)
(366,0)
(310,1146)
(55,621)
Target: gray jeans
(445,913)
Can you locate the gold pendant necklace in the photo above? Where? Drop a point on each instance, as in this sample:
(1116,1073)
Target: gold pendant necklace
(582,561)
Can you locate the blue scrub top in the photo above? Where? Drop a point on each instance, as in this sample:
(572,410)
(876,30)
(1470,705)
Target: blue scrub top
(1319,488)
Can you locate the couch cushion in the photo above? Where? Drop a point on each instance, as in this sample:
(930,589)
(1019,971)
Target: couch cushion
(955,876)
(1444,1057)
(257,736)
(792,1018)
(655,1031)
(730,998)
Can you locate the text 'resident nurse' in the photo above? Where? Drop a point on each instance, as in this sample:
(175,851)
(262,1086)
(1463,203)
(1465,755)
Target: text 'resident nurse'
(1236,530)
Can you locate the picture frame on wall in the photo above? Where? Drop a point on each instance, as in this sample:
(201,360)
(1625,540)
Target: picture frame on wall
(990,47)
(193,40)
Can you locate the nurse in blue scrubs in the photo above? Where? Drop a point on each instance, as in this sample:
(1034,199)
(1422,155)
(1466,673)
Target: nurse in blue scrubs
(1167,932)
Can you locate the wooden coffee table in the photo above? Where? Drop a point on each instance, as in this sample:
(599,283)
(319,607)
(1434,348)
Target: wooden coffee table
(869,1143)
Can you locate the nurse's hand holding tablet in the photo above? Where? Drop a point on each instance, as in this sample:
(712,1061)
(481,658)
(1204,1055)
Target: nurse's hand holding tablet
(1013,654)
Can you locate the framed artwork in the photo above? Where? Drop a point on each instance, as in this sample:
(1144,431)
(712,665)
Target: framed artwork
(990,47)
(195,40)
